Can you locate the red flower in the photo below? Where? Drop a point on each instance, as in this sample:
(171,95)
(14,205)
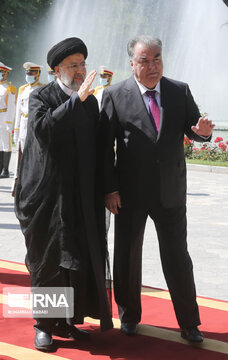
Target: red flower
(218,139)
(187,141)
(222,146)
(226,142)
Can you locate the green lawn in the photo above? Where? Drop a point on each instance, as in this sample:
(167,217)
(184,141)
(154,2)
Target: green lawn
(207,162)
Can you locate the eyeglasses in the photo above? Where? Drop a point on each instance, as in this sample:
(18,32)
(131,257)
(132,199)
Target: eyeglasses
(75,66)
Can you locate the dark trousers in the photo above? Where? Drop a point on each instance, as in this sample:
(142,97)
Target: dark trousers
(176,263)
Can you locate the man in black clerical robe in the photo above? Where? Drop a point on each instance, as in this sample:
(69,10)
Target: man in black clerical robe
(59,197)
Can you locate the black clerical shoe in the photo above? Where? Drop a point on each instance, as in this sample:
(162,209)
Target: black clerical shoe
(70,332)
(192,335)
(43,341)
(128,328)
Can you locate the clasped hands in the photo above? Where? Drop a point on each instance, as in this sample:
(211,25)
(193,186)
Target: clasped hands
(204,127)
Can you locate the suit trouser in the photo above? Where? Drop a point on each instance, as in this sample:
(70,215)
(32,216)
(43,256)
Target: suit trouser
(176,263)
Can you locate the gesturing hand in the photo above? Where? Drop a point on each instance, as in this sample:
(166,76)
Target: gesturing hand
(204,127)
(84,90)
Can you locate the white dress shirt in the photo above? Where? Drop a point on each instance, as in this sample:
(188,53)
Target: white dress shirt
(143,89)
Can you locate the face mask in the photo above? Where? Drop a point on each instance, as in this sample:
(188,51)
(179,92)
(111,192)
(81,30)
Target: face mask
(30,79)
(1,76)
(51,77)
(103,81)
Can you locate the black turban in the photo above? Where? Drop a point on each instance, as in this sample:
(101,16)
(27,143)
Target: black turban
(65,48)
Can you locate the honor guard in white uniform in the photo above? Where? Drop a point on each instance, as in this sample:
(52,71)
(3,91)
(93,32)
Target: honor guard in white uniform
(105,81)
(8,96)
(51,75)
(32,76)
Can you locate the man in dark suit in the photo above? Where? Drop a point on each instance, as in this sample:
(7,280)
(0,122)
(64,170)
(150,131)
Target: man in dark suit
(146,175)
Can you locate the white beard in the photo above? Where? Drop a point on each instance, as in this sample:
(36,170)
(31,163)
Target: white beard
(70,83)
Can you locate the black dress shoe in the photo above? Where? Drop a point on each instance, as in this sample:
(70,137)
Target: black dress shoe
(128,328)
(192,335)
(43,341)
(70,332)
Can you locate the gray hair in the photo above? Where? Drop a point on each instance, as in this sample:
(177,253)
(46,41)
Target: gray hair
(149,41)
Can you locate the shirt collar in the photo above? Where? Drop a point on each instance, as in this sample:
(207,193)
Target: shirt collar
(67,91)
(143,88)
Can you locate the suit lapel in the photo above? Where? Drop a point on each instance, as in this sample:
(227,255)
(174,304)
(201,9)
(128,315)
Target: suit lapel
(165,98)
(161,122)
(163,93)
(163,107)
(139,117)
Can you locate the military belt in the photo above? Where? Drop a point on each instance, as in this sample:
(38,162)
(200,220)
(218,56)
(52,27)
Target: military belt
(3,110)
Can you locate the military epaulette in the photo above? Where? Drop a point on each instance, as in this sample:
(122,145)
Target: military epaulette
(37,84)
(22,88)
(12,88)
(97,88)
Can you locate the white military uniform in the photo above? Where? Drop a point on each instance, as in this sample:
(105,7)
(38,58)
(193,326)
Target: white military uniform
(98,93)
(21,120)
(20,128)
(8,95)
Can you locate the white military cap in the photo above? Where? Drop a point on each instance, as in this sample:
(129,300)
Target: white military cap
(105,70)
(31,66)
(4,67)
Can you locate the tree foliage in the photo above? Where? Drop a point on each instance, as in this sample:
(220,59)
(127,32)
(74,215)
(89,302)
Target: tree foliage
(18,20)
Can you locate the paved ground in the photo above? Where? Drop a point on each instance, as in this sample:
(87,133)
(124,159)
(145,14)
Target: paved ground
(207,232)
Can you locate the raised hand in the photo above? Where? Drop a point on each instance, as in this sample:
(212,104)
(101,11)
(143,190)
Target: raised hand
(204,127)
(84,90)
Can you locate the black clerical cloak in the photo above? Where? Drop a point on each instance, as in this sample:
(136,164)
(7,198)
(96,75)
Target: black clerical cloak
(58,199)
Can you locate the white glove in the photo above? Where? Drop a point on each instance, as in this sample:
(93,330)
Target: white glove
(15,136)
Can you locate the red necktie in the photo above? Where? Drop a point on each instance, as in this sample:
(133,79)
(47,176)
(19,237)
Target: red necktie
(154,108)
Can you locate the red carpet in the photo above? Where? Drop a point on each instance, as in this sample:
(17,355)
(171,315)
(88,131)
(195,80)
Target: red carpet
(158,338)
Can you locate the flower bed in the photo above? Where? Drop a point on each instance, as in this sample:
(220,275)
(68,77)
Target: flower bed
(212,151)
